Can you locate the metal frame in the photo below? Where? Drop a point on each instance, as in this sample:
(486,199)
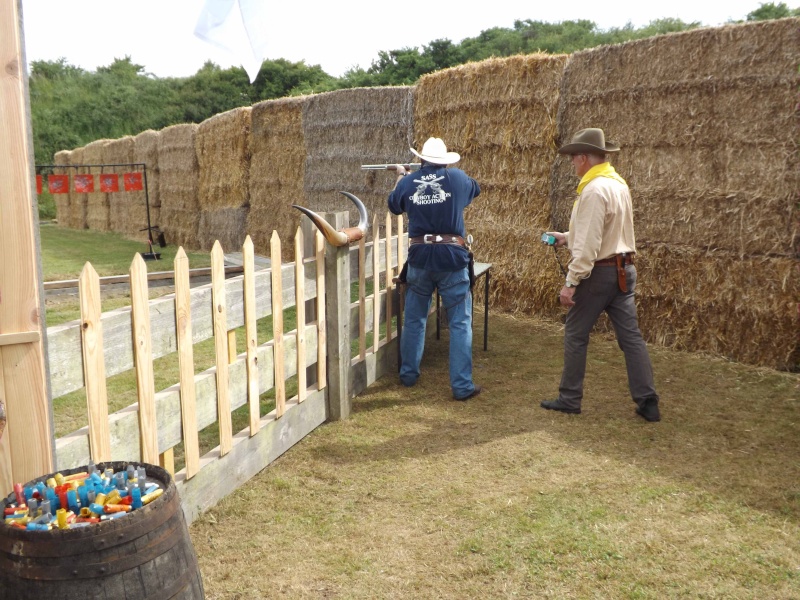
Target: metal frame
(149,229)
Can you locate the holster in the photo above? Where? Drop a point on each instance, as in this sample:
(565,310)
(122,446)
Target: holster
(471,270)
(402,278)
(623,284)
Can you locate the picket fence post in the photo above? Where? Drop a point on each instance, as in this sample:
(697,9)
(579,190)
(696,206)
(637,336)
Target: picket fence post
(337,315)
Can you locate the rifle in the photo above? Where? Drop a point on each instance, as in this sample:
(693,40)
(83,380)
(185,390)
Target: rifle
(410,167)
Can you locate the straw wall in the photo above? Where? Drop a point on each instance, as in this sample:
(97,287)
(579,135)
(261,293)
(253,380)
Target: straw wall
(97,207)
(223,157)
(76,218)
(145,150)
(62,201)
(277,167)
(120,152)
(707,121)
(499,115)
(707,124)
(346,129)
(177,185)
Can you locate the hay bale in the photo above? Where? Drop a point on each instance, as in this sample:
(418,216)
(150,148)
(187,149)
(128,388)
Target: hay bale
(346,129)
(499,114)
(76,219)
(62,201)
(228,225)
(120,152)
(710,154)
(223,155)
(177,185)
(750,317)
(277,166)
(97,206)
(145,151)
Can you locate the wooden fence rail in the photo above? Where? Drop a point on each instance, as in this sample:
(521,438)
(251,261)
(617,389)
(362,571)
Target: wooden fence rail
(84,353)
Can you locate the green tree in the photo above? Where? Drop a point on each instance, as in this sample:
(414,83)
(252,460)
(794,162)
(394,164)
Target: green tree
(771,10)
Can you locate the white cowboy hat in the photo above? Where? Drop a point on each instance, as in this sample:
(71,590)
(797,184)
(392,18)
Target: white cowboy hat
(434,151)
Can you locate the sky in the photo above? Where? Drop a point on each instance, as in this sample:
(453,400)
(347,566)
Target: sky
(159,34)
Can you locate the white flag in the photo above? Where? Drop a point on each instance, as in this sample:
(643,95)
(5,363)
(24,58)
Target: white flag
(238,26)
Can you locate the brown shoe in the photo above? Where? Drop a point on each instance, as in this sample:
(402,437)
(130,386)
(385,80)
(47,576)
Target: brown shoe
(559,406)
(474,393)
(648,410)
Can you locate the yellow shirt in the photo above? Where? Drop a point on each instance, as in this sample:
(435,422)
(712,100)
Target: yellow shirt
(601,224)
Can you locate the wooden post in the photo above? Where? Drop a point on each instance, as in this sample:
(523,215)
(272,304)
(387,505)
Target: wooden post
(143,361)
(389,276)
(26,447)
(94,366)
(220,317)
(300,303)
(310,236)
(376,287)
(337,313)
(276,265)
(251,334)
(322,344)
(362,298)
(183,338)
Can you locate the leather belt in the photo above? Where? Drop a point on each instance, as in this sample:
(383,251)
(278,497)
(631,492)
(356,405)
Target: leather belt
(619,261)
(437,238)
(611,261)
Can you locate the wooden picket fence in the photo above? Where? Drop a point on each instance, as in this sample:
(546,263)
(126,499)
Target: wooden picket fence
(85,353)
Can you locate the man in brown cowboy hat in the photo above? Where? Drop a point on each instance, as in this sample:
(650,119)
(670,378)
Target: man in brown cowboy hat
(601,275)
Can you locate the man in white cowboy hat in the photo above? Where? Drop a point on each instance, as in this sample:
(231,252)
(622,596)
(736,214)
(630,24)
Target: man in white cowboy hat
(434,199)
(601,275)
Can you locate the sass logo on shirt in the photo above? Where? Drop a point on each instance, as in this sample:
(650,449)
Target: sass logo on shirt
(429,190)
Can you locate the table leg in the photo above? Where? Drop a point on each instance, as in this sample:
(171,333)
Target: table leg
(486,313)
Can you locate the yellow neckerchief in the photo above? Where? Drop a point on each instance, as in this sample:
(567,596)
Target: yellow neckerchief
(602,170)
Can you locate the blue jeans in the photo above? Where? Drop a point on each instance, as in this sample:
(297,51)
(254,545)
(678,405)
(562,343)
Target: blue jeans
(457,302)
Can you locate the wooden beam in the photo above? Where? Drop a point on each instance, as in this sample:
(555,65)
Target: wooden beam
(25,337)
(28,436)
(157,276)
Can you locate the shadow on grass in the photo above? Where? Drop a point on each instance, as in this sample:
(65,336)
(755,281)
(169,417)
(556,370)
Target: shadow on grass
(727,428)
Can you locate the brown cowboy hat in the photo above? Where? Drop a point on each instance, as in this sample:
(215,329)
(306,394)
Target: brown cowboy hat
(589,141)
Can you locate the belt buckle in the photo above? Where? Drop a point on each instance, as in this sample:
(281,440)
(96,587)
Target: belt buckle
(430,238)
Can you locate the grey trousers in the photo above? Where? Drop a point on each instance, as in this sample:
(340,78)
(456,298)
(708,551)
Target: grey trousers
(595,294)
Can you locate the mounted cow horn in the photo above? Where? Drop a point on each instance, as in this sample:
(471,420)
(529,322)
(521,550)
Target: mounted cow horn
(344,236)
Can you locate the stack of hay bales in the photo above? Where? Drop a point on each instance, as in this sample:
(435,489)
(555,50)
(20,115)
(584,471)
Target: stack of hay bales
(346,129)
(177,185)
(62,201)
(76,219)
(707,124)
(223,157)
(145,151)
(499,114)
(97,207)
(120,152)
(277,165)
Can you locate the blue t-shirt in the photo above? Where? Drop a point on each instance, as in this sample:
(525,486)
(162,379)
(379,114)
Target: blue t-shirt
(434,199)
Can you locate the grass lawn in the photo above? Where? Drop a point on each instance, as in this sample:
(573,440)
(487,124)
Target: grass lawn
(418,496)
(65,252)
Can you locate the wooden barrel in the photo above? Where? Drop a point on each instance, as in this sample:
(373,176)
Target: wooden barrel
(146,554)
